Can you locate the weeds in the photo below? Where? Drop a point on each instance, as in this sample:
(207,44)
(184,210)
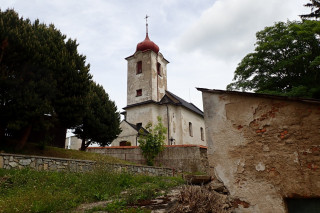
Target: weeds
(118,206)
(201,199)
(33,191)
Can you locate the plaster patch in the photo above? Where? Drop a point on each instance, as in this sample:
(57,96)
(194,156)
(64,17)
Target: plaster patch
(265,148)
(240,165)
(296,160)
(220,174)
(260,167)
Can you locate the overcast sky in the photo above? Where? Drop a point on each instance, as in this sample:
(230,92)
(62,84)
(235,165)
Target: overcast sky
(204,40)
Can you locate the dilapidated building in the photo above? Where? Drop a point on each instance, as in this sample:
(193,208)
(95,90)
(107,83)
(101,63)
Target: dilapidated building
(265,149)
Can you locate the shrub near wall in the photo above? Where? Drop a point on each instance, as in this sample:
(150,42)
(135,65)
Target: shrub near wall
(12,161)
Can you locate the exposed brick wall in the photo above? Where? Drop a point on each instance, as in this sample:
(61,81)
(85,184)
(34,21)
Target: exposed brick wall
(263,148)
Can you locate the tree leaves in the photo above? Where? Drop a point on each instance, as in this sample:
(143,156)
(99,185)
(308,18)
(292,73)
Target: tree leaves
(101,121)
(285,61)
(152,143)
(41,74)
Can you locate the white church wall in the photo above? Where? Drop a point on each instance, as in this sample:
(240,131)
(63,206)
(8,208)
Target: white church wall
(142,114)
(179,119)
(174,124)
(127,134)
(197,123)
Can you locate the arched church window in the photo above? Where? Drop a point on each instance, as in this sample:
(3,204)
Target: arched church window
(190,129)
(139,67)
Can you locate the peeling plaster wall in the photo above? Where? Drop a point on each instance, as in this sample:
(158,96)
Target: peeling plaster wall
(153,86)
(263,149)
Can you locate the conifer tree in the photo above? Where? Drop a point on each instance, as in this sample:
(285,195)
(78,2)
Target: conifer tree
(101,121)
(41,75)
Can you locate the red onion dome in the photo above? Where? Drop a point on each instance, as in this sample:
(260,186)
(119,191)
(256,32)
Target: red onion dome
(147,44)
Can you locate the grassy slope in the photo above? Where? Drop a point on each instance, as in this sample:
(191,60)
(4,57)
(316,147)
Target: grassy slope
(34,191)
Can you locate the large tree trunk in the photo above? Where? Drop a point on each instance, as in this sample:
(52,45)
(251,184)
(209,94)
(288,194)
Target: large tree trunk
(24,137)
(84,145)
(2,132)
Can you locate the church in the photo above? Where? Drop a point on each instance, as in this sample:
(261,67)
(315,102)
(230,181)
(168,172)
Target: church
(148,98)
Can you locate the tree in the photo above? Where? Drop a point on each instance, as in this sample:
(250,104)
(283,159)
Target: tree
(286,61)
(152,143)
(101,122)
(315,10)
(41,75)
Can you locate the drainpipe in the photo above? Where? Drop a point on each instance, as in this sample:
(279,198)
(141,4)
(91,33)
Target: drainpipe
(157,78)
(168,123)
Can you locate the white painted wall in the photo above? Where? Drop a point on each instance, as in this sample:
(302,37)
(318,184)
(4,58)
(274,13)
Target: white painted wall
(127,134)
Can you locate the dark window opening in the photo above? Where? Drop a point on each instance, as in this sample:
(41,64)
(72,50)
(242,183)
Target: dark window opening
(139,67)
(139,125)
(123,143)
(139,92)
(303,205)
(190,129)
(201,132)
(159,69)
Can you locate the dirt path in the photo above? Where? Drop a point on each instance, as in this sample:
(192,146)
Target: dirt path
(157,205)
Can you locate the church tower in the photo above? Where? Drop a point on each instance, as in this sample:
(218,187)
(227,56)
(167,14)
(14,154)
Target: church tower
(147,73)
(148,98)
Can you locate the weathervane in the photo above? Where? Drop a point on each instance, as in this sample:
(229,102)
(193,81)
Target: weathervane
(146,18)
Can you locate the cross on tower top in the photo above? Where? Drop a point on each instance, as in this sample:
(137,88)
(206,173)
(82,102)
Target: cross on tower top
(146,18)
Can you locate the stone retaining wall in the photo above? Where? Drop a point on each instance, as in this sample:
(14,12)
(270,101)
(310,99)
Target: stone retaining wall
(184,158)
(39,163)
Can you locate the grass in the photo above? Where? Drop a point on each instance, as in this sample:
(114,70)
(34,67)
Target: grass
(33,191)
(48,151)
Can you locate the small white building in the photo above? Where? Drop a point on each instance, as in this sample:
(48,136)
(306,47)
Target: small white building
(72,142)
(148,98)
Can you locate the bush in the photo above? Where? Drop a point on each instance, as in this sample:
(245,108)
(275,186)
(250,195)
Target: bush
(152,143)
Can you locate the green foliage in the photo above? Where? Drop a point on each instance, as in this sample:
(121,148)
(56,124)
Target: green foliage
(32,191)
(118,206)
(286,61)
(152,143)
(41,74)
(101,122)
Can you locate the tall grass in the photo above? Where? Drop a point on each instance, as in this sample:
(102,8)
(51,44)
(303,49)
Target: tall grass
(34,191)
